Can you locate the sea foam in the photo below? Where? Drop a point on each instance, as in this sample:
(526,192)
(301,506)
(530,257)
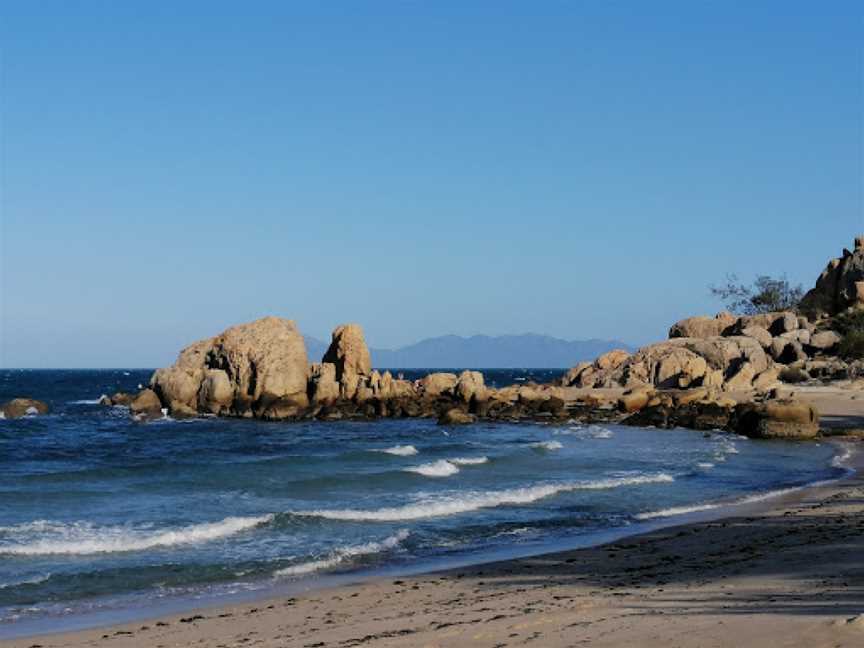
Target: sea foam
(445,467)
(440,468)
(546,445)
(342,554)
(43,537)
(472,501)
(399,450)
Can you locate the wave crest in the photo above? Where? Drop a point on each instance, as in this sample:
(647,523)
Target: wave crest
(342,554)
(44,537)
(472,501)
(399,450)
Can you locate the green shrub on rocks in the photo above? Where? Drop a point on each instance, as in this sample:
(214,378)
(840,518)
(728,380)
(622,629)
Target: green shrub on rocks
(852,345)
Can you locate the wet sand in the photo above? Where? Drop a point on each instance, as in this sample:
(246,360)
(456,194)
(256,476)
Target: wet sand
(789,575)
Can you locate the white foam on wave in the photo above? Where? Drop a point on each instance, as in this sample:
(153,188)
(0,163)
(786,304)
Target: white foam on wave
(747,499)
(87,401)
(840,460)
(342,554)
(445,467)
(469,461)
(399,450)
(33,580)
(676,510)
(44,537)
(591,432)
(440,468)
(705,465)
(546,445)
(472,501)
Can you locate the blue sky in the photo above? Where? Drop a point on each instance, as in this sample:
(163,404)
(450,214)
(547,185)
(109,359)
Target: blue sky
(580,169)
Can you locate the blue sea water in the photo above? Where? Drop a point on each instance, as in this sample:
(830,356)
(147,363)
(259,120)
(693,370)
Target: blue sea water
(100,512)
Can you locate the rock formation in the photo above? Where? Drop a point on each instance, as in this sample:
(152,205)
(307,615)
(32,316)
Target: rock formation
(256,369)
(350,356)
(840,286)
(712,372)
(18,407)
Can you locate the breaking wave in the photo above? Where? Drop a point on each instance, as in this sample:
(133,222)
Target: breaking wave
(472,501)
(44,537)
(399,450)
(445,467)
(546,445)
(342,554)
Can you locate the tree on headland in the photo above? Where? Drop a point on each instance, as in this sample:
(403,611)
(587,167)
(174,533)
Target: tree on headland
(765,295)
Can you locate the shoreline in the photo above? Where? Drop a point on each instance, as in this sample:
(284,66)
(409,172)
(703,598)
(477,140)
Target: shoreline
(186,624)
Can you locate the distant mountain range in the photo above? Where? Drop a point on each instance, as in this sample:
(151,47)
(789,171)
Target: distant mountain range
(483,352)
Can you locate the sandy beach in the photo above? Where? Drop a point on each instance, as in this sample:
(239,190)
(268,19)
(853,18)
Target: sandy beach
(791,574)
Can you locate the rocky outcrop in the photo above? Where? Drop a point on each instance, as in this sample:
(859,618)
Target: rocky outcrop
(470,388)
(257,369)
(681,362)
(748,353)
(839,287)
(323,386)
(776,419)
(438,384)
(18,407)
(702,327)
(146,404)
(350,356)
(455,416)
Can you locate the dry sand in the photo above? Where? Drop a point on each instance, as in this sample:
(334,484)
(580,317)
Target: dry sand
(789,575)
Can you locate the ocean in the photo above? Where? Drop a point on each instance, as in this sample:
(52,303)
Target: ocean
(103,515)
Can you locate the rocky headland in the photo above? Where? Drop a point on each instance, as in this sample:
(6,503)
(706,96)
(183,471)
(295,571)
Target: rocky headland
(739,373)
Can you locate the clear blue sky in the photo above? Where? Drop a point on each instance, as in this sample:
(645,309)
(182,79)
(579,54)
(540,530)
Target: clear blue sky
(580,169)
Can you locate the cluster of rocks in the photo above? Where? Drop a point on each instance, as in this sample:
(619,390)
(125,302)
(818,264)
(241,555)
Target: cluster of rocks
(699,409)
(18,407)
(725,353)
(261,370)
(693,379)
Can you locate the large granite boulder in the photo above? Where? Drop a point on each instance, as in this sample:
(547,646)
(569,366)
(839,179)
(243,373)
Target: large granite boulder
(777,419)
(611,359)
(438,384)
(824,340)
(18,407)
(470,387)
(216,394)
(776,323)
(702,327)
(349,354)
(664,365)
(146,403)
(264,364)
(840,286)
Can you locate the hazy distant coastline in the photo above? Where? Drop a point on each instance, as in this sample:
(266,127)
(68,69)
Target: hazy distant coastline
(484,352)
